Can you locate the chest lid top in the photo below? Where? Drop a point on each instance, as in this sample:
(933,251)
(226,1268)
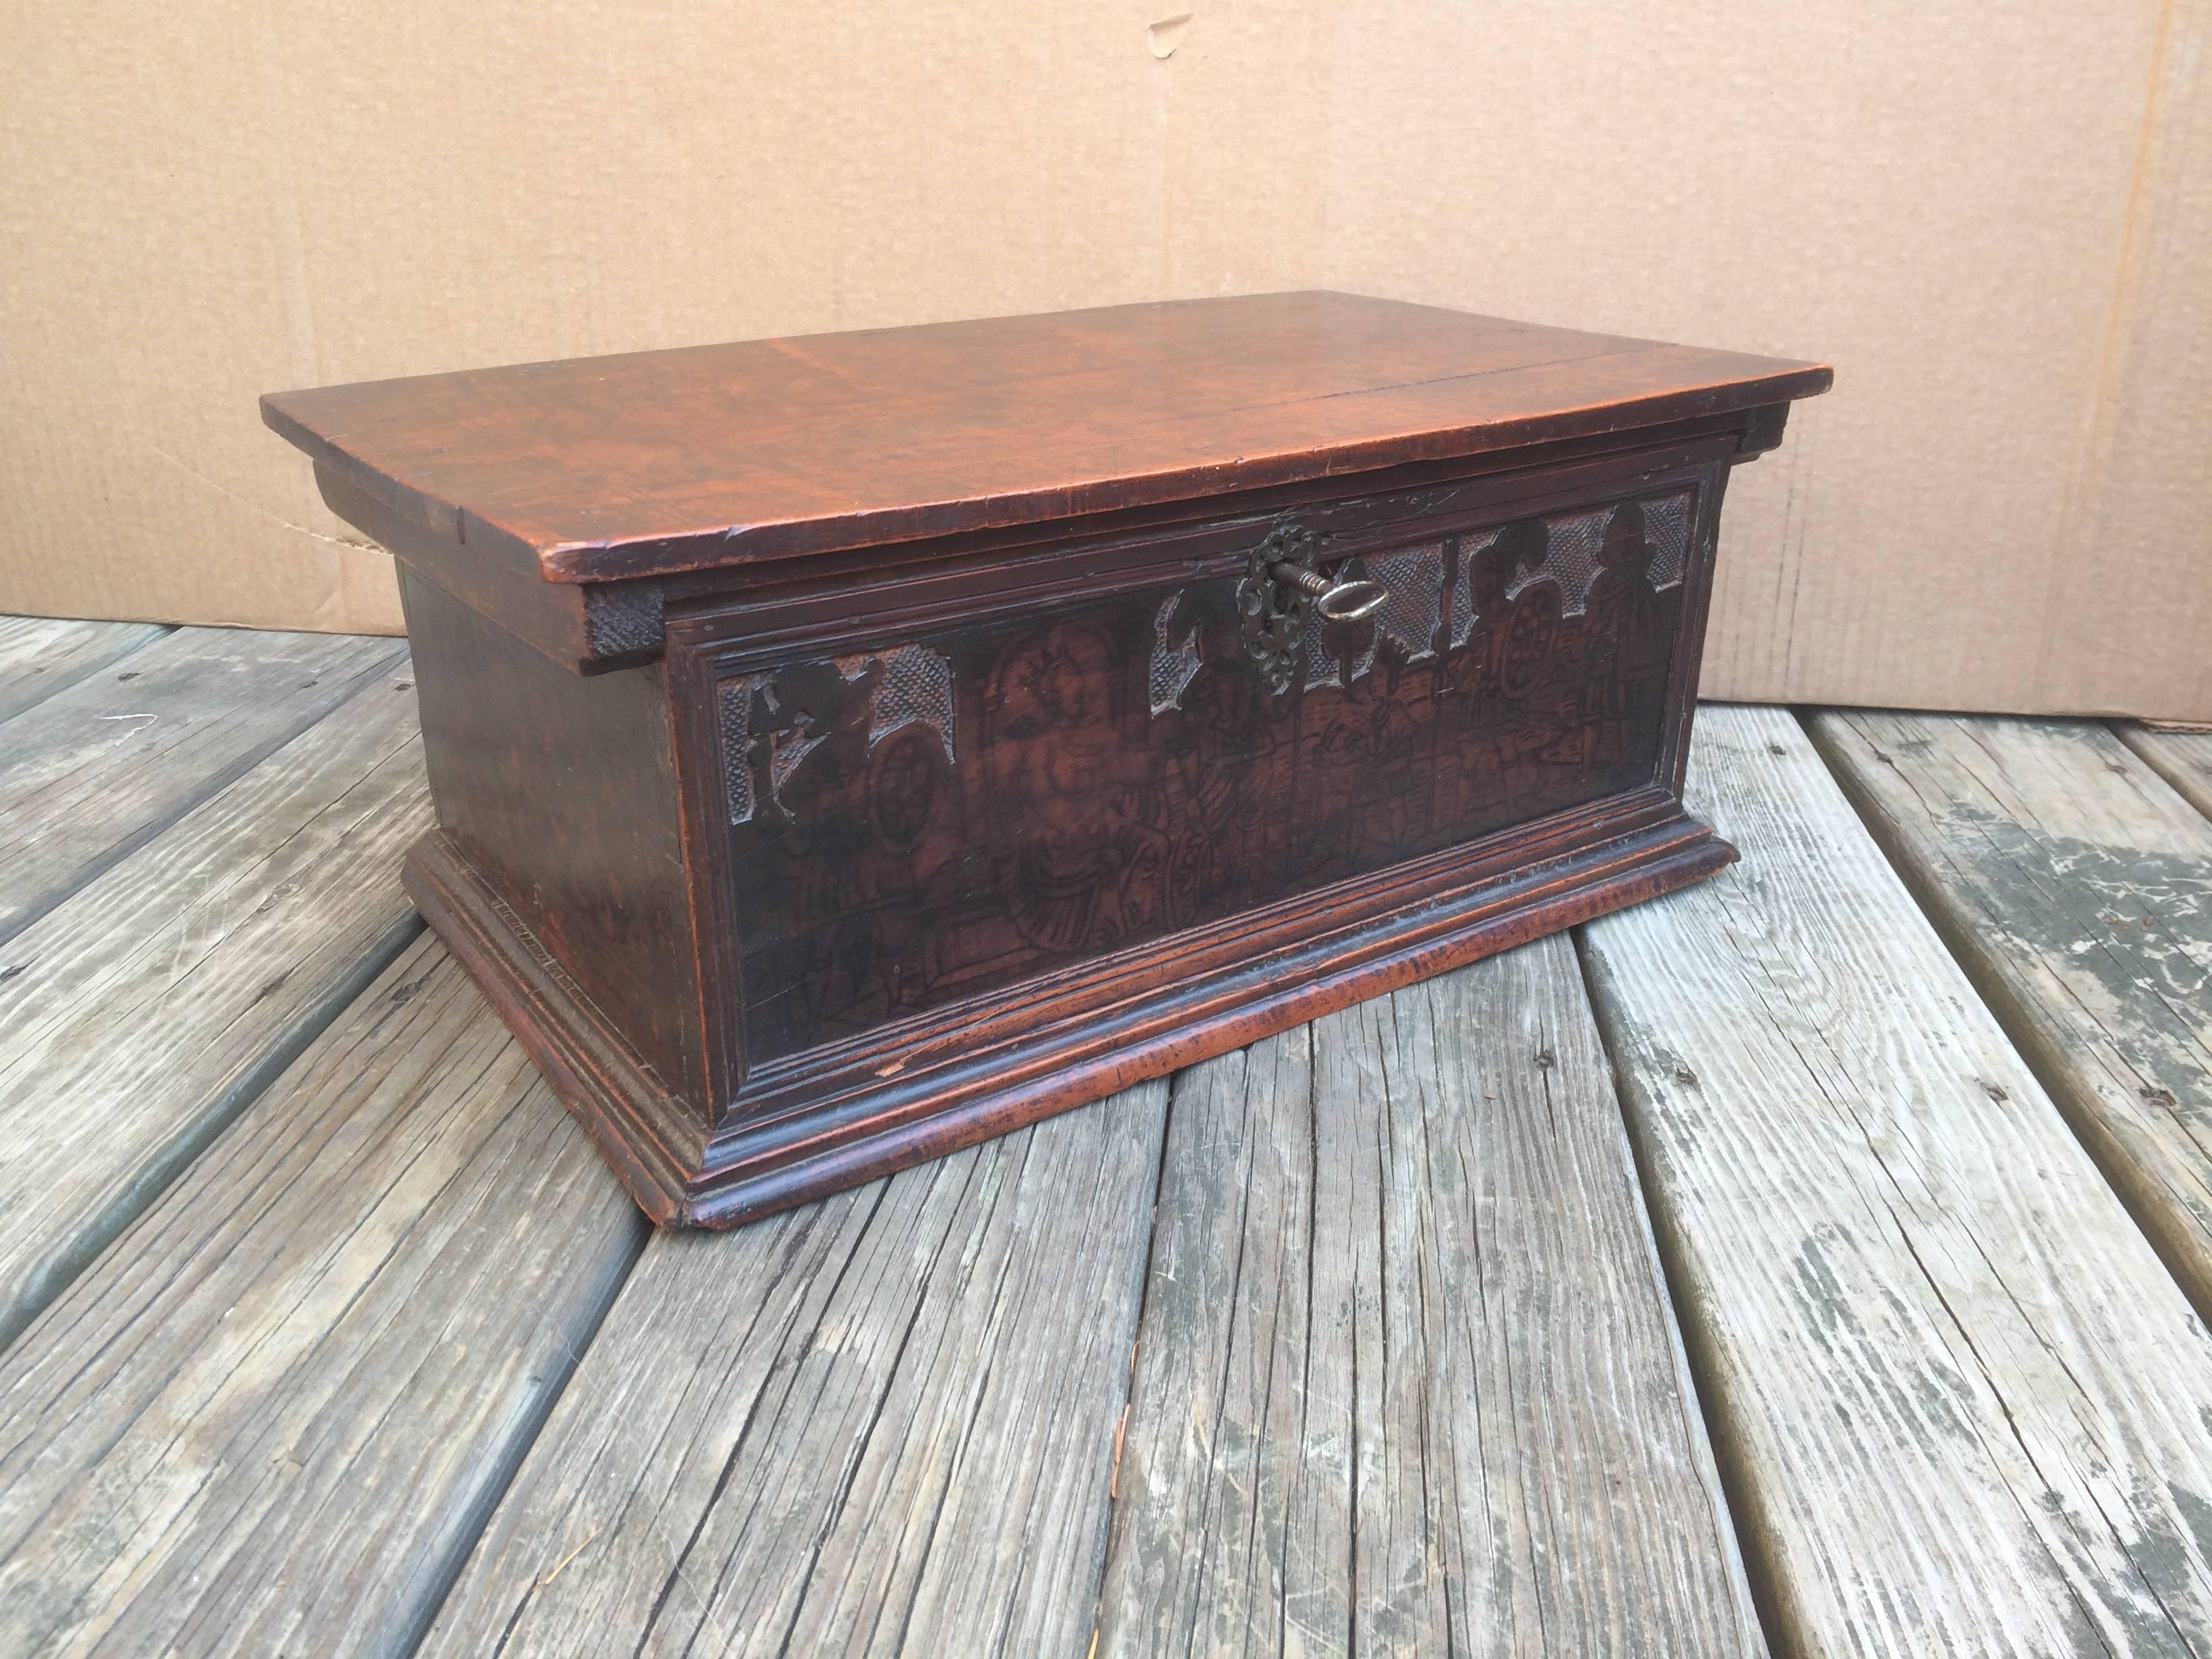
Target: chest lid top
(652,462)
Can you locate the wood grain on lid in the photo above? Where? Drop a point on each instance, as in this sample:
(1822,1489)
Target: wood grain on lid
(653,462)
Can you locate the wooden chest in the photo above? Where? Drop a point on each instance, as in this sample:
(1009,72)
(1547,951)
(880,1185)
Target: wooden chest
(847,748)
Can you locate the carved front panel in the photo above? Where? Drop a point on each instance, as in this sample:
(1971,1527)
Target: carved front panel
(919,822)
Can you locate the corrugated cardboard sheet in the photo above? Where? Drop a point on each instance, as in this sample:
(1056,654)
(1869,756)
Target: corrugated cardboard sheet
(1993,219)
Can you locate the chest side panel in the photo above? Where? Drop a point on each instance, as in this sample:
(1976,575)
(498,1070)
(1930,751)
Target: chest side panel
(560,792)
(914,821)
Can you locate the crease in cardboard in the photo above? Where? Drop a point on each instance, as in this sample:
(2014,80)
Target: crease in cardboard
(2101,428)
(263,512)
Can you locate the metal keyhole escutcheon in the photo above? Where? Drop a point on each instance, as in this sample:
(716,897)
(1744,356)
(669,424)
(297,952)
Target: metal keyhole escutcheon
(1282,590)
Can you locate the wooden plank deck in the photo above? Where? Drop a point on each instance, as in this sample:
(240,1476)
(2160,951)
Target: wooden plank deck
(95,770)
(2183,759)
(1405,1381)
(2075,884)
(41,655)
(883,1421)
(272,1416)
(221,947)
(1801,1264)
(1963,1402)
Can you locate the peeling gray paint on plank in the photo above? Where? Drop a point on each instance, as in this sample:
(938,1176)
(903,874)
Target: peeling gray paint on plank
(1960,1389)
(2075,884)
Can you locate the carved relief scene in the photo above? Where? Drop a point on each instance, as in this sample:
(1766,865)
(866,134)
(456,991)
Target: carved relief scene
(916,822)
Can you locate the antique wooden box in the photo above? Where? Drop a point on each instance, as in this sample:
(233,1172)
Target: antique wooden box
(847,748)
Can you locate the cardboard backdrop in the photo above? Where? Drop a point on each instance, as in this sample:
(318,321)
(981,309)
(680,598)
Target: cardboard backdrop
(1996,219)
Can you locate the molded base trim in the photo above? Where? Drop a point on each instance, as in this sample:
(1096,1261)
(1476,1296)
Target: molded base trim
(799,1149)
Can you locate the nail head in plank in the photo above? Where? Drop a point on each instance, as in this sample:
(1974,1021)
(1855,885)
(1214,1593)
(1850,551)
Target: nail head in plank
(1961,1400)
(883,1421)
(41,655)
(2077,887)
(90,773)
(271,1417)
(142,1012)
(1406,1380)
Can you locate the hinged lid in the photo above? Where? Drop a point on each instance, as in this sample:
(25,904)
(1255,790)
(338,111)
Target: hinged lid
(650,462)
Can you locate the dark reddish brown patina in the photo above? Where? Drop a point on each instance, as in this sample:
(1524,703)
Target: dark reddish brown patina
(847,748)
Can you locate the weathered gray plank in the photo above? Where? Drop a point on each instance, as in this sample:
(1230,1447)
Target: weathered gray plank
(2183,759)
(1963,1406)
(2077,887)
(884,1421)
(142,1012)
(270,1418)
(41,655)
(90,773)
(1406,1380)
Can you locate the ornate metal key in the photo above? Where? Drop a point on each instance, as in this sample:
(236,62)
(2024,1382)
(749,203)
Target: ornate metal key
(1281,586)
